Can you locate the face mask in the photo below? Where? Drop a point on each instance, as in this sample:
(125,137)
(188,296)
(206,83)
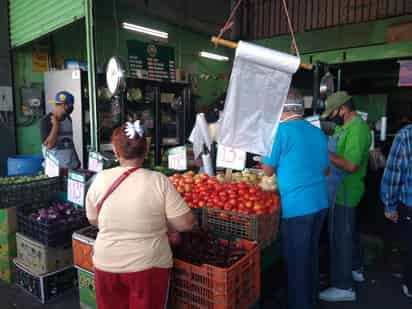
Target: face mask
(338,119)
(68,111)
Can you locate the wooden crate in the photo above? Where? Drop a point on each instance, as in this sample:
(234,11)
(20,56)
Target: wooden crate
(40,259)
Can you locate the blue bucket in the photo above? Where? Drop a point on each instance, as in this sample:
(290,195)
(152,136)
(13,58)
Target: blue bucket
(24,165)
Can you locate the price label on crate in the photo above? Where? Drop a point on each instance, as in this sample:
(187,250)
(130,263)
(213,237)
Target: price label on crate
(177,158)
(76,188)
(228,157)
(51,168)
(95,162)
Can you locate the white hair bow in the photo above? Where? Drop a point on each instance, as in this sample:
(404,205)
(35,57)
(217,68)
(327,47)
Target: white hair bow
(134,128)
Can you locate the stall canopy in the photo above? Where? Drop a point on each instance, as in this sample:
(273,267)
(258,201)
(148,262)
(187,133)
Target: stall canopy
(30,20)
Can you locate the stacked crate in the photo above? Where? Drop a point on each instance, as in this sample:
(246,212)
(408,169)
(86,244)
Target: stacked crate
(44,263)
(8,252)
(83,242)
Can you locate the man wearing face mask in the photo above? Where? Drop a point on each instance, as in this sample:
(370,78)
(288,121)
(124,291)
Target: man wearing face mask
(300,158)
(349,158)
(56,131)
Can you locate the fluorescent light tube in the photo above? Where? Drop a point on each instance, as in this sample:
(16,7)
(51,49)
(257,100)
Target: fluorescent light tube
(148,31)
(213,56)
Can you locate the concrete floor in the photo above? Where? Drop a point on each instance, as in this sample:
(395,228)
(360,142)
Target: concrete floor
(380,291)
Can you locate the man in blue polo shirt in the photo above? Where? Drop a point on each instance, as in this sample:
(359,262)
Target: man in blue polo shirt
(300,160)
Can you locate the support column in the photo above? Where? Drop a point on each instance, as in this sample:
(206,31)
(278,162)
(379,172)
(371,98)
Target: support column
(91,65)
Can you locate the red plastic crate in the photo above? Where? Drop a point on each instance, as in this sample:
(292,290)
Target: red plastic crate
(211,287)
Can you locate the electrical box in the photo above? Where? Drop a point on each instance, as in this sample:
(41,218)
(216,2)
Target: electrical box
(6,99)
(32,102)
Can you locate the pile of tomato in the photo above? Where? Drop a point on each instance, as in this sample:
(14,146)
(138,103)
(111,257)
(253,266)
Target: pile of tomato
(202,191)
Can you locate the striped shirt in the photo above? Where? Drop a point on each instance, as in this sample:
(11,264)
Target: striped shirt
(396,185)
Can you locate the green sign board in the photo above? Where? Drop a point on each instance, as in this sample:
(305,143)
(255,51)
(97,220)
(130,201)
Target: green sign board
(150,61)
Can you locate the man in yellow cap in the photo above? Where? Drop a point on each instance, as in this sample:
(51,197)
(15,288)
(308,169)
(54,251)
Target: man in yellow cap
(56,131)
(350,158)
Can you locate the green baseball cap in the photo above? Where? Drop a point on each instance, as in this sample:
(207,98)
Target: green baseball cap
(335,101)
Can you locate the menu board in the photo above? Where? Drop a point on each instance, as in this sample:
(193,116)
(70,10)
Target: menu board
(150,61)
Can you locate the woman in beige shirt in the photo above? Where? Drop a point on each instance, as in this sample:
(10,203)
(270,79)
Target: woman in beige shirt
(132,254)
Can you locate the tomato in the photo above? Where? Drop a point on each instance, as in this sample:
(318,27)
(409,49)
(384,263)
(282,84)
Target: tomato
(259,212)
(201,204)
(224,216)
(188,188)
(180,189)
(188,180)
(227,207)
(257,206)
(252,190)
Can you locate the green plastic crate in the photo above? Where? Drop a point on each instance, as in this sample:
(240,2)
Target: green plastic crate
(8,220)
(87,290)
(6,269)
(8,245)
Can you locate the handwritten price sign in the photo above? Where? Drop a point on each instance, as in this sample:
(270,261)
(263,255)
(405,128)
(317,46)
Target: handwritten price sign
(177,158)
(228,157)
(76,188)
(95,162)
(52,168)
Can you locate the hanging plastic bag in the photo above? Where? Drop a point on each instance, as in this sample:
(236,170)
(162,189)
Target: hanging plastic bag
(258,87)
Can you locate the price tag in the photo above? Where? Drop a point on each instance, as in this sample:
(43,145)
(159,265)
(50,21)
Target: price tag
(95,162)
(177,158)
(228,157)
(52,168)
(76,188)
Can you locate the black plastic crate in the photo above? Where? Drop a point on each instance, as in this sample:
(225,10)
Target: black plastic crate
(51,234)
(48,286)
(16,195)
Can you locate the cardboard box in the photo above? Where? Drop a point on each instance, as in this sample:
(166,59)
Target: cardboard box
(8,220)
(40,259)
(87,289)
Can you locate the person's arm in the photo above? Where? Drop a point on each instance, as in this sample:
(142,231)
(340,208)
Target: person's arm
(183,223)
(392,179)
(51,139)
(178,214)
(343,164)
(270,164)
(92,198)
(357,144)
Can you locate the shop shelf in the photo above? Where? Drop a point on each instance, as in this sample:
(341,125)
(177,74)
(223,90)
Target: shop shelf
(211,287)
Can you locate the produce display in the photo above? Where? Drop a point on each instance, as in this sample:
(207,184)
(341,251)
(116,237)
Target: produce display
(202,191)
(200,248)
(58,212)
(253,178)
(20,179)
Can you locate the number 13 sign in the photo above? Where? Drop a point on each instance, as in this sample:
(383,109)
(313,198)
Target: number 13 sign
(76,188)
(228,157)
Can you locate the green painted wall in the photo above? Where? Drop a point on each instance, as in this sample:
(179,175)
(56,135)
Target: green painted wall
(350,43)
(70,43)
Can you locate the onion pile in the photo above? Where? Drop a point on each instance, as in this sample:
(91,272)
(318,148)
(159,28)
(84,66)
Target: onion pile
(63,213)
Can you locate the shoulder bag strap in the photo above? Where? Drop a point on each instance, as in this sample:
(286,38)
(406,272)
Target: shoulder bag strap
(114,186)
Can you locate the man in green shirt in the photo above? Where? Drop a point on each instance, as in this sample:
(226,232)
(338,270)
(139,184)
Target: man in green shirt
(351,160)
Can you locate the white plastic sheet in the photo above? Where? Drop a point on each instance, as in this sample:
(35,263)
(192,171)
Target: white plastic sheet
(257,90)
(200,135)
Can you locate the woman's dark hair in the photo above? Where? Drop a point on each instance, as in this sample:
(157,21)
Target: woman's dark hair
(128,148)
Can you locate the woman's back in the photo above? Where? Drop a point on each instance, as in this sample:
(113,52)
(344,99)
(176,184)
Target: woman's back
(133,220)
